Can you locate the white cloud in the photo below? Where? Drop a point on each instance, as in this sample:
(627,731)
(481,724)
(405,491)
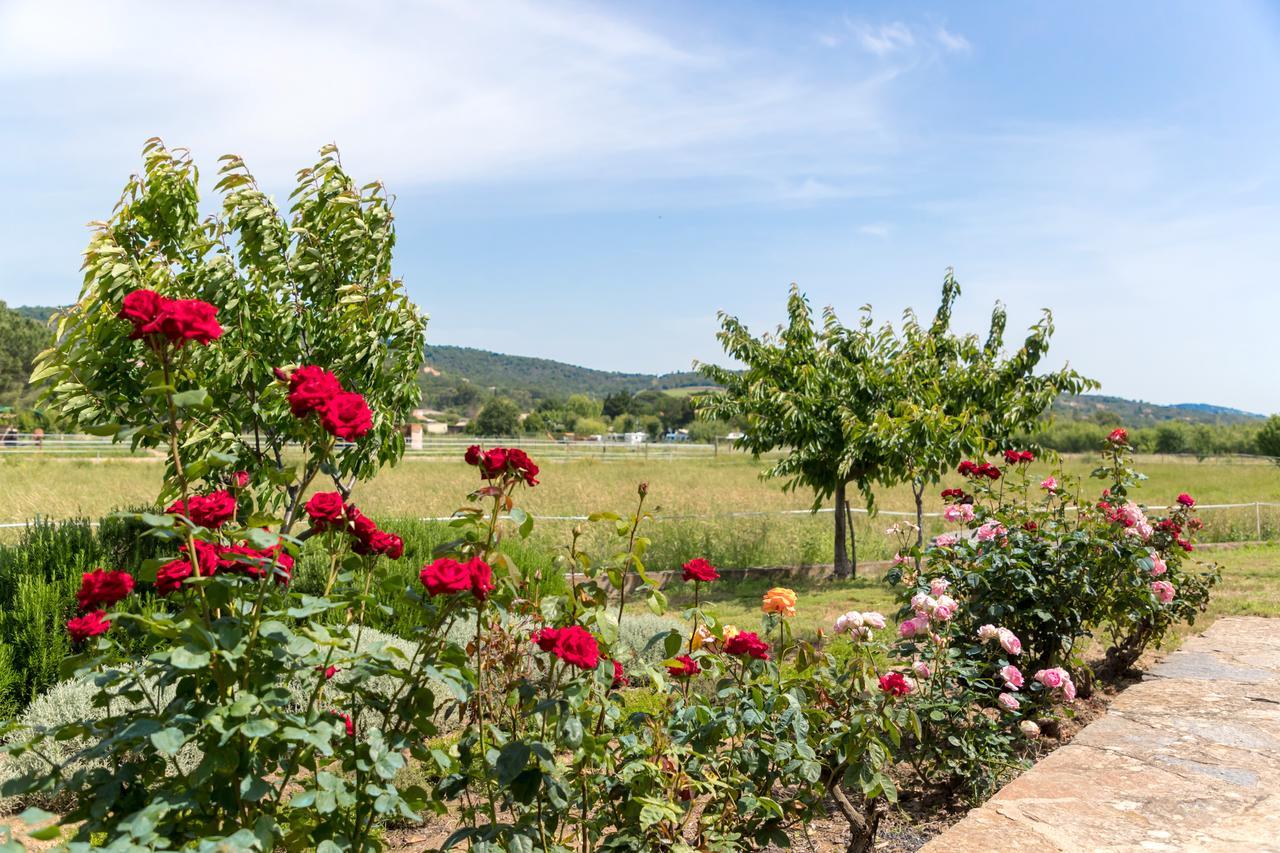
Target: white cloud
(426,92)
(884,39)
(874,229)
(953,42)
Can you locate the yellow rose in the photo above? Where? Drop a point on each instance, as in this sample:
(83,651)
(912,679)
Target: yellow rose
(779,600)
(728,632)
(702,637)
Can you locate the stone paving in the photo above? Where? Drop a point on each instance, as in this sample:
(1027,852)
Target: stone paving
(1186,760)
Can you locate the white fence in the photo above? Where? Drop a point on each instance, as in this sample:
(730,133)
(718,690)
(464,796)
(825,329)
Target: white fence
(432,447)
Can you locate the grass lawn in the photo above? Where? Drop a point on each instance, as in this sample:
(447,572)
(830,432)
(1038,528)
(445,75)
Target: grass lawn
(1250,587)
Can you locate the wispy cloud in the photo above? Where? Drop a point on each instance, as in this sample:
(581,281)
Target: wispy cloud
(953,42)
(430,93)
(884,39)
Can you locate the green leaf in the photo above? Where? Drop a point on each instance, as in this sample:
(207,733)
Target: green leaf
(185,657)
(260,727)
(512,760)
(168,741)
(195,398)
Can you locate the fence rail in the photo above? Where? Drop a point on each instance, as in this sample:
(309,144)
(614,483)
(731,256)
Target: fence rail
(430,447)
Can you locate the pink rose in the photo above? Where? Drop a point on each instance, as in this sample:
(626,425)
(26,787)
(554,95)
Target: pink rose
(938,586)
(1055,678)
(946,540)
(1012,676)
(921,669)
(989,531)
(943,612)
(1049,484)
(958,512)
(1158,566)
(988,632)
(873,620)
(1163,590)
(1009,641)
(1069,689)
(848,621)
(1008,701)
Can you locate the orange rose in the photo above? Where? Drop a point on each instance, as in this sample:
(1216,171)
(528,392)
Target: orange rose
(779,600)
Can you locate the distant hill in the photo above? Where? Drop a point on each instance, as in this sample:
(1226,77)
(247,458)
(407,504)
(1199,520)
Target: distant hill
(39,313)
(550,378)
(1136,413)
(545,377)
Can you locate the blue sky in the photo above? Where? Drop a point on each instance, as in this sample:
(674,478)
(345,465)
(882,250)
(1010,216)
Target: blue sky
(593,182)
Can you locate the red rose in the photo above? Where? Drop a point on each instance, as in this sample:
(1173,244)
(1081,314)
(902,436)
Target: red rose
(347,416)
(481,578)
(326,509)
(88,625)
(330,672)
(1029,526)
(523,466)
(140,308)
(207,557)
(346,721)
(966,468)
(948,494)
(310,389)
(1012,457)
(747,643)
(895,684)
(248,560)
(102,587)
(170,576)
(494,463)
(445,577)
(474,455)
(573,644)
(619,677)
(212,510)
(362,526)
(698,569)
(240,479)
(1119,435)
(182,320)
(685,667)
(388,545)
(546,638)
(1186,500)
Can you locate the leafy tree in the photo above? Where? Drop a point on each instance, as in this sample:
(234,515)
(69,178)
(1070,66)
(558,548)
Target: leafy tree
(21,340)
(312,287)
(500,416)
(584,406)
(956,395)
(808,392)
(870,406)
(1268,440)
(617,403)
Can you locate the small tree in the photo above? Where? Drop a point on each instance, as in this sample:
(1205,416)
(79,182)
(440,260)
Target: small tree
(499,416)
(1268,440)
(955,395)
(311,288)
(808,392)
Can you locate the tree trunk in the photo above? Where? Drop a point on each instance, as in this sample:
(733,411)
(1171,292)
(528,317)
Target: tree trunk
(917,491)
(863,820)
(846,558)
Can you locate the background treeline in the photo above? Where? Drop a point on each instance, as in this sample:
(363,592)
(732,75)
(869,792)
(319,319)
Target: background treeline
(1194,439)
(512,395)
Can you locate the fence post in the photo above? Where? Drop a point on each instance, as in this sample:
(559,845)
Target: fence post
(1257,517)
